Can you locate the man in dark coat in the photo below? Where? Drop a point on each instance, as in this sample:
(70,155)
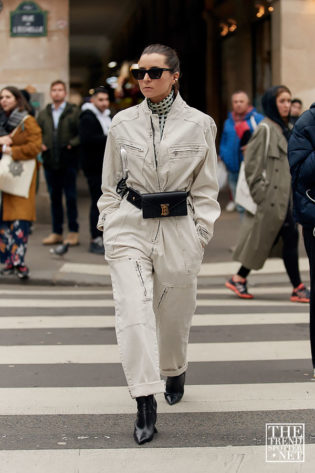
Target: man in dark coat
(93,129)
(302,164)
(59,122)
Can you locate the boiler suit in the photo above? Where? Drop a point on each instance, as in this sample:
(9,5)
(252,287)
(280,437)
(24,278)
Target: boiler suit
(154,262)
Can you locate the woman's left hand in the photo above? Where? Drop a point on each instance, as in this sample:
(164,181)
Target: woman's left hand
(5,140)
(8,150)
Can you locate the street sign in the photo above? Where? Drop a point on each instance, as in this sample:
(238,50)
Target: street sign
(28,20)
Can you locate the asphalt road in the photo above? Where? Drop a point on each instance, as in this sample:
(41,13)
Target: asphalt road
(64,406)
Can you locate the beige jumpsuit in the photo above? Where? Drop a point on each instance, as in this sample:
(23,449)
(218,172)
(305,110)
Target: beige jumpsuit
(154,262)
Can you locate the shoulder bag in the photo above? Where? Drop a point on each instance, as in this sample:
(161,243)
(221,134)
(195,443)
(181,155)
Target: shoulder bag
(242,195)
(16,176)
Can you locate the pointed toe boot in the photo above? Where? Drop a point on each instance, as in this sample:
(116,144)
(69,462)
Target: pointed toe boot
(146,419)
(174,389)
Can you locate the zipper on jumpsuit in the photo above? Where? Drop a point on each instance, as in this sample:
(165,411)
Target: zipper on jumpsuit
(157,174)
(141,277)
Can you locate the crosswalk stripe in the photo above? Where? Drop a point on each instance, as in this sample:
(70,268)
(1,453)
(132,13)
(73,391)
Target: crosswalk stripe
(94,321)
(53,292)
(272,266)
(111,400)
(105,291)
(198,398)
(39,303)
(197,352)
(244,459)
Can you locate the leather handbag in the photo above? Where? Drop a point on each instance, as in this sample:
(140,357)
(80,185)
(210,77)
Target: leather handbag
(159,204)
(164,204)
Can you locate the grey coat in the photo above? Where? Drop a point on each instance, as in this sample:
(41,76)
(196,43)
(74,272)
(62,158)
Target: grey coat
(270,191)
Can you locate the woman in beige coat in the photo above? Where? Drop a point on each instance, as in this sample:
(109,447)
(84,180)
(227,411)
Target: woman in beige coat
(269,180)
(20,136)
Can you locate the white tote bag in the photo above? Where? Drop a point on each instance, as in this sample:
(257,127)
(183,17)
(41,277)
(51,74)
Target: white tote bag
(16,176)
(242,195)
(222,174)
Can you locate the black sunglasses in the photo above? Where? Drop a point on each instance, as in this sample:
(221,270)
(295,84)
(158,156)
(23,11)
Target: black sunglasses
(153,73)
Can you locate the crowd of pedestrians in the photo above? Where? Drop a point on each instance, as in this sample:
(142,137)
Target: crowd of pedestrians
(62,138)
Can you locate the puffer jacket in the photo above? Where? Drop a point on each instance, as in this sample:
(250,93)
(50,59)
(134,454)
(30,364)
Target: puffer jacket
(230,149)
(302,165)
(183,160)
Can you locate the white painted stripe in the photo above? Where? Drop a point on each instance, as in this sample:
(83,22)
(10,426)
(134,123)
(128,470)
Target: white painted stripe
(60,292)
(95,321)
(197,398)
(262,290)
(96,269)
(272,266)
(53,303)
(197,352)
(265,290)
(207,269)
(99,292)
(229,459)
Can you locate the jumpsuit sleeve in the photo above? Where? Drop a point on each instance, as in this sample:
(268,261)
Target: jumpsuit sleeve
(205,188)
(111,175)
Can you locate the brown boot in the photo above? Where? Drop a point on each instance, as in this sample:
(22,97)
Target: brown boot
(52,239)
(72,239)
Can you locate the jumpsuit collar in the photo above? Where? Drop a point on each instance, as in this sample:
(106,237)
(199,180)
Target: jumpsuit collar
(162,109)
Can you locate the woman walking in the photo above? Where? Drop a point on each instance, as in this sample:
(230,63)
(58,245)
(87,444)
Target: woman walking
(268,175)
(155,234)
(20,136)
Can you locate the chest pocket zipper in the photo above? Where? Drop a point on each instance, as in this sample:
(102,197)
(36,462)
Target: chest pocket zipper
(177,152)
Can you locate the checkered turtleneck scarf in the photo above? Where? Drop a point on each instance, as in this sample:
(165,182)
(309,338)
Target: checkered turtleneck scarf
(162,109)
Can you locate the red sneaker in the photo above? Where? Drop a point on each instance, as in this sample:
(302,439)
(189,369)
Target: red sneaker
(300,294)
(240,288)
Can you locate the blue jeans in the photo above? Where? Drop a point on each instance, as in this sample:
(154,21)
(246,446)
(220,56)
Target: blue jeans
(63,180)
(232,180)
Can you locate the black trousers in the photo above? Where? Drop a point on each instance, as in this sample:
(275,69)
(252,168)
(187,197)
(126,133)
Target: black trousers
(309,242)
(290,238)
(59,182)
(94,183)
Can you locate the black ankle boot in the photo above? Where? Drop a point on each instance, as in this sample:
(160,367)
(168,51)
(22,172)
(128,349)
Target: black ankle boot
(146,419)
(174,388)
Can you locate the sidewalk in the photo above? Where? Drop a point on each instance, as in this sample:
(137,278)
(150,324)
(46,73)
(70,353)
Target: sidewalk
(79,267)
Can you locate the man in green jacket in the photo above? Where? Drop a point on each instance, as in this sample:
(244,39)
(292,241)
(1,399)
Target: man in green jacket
(59,122)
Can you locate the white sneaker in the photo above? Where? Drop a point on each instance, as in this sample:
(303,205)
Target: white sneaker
(230,206)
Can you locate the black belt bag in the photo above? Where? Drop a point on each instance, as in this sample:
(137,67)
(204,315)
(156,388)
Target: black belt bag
(159,204)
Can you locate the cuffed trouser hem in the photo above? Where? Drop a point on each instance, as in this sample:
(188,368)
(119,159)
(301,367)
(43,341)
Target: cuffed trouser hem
(174,372)
(146,389)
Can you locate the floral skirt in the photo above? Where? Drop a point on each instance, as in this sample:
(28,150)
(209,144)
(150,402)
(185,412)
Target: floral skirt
(13,241)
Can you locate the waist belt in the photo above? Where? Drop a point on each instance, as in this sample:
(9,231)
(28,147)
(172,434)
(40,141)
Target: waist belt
(159,204)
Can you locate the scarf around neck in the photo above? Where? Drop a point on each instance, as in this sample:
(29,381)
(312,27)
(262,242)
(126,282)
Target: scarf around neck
(162,109)
(9,123)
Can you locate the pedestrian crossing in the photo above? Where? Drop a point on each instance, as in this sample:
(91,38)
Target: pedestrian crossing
(64,406)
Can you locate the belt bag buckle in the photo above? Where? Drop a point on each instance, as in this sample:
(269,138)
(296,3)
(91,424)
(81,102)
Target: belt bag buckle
(164,204)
